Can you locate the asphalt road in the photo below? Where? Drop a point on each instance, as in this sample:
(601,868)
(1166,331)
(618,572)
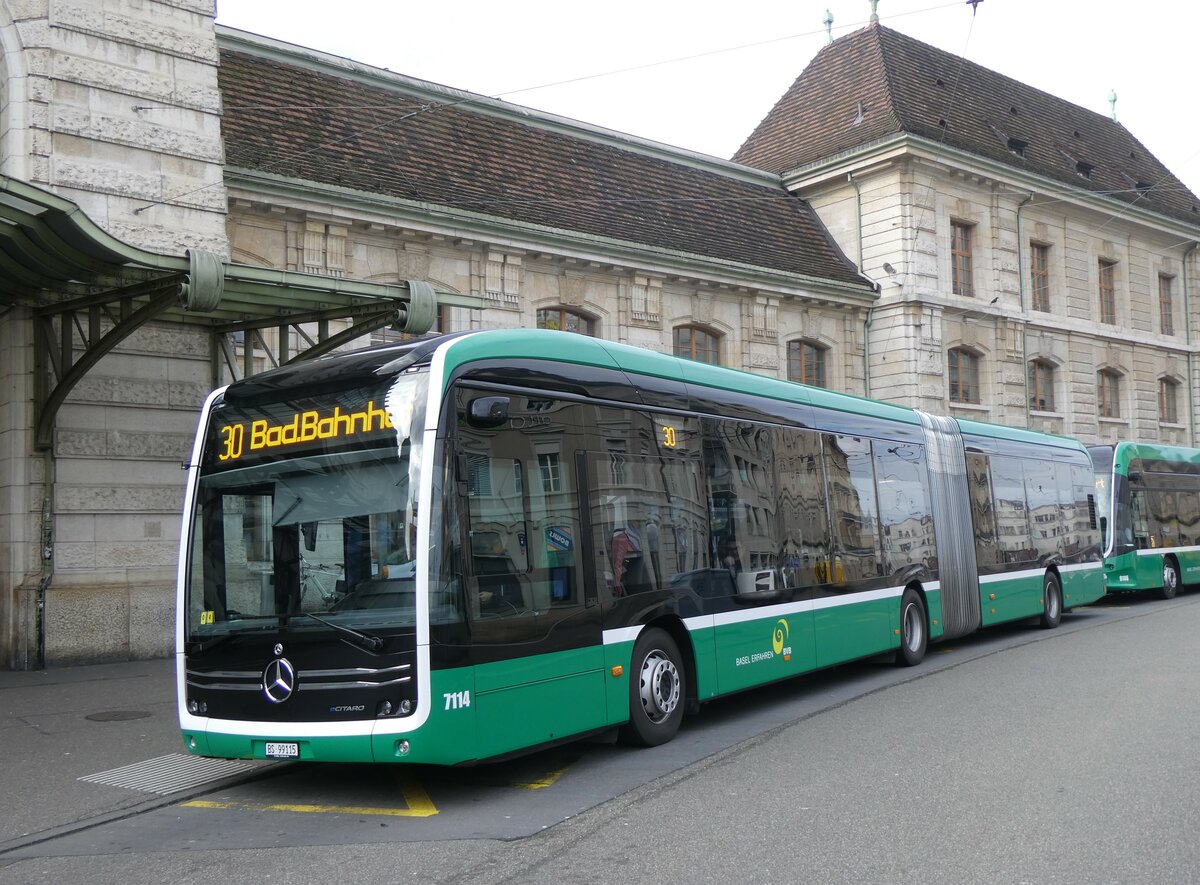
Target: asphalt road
(1018,755)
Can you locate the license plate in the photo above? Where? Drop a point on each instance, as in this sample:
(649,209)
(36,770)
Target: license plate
(288,750)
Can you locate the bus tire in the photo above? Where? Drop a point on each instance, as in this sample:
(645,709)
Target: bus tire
(657,692)
(1052,609)
(914,632)
(1170,576)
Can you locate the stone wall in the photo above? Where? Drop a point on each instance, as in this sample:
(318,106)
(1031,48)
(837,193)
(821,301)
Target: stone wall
(112,104)
(904,210)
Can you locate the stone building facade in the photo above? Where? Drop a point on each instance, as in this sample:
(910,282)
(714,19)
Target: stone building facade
(1070,307)
(943,262)
(115,107)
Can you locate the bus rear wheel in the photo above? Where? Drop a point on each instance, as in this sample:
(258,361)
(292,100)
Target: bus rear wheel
(1170,585)
(914,638)
(656,689)
(1051,602)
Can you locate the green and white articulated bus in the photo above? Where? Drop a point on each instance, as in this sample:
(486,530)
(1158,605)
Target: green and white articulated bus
(1149,504)
(465,547)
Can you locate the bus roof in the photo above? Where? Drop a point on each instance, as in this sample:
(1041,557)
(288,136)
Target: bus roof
(1125,452)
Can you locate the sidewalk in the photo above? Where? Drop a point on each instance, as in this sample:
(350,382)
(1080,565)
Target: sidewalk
(57,726)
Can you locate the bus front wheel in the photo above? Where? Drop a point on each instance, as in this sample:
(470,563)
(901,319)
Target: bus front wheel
(1170,579)
(914,638)
(656,689)
(1051,602)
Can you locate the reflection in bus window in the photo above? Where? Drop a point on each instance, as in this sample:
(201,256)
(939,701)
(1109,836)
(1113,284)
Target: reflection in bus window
(1012,514)
(905,520)
(523,503)
(851,477)
(983,514)
(803,531)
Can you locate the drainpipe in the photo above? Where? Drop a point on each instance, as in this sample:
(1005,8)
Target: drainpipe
(870,310)
(47,554)
(1024,316)
(1187,338)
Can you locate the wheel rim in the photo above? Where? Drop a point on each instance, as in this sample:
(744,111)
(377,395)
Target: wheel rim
(659,686)
(1170,577)
(1052,601)
(914,627)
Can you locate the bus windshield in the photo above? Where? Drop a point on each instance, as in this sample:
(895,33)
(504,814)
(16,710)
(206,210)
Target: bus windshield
(325,536)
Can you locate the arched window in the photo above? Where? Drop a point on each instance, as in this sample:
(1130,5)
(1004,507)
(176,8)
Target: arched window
(806,362)
(963,374)
(1108,393)
(1041,386)
(1168,401)
(565,320)
(697,344)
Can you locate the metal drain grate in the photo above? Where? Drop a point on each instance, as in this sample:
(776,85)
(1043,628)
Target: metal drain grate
(169,774)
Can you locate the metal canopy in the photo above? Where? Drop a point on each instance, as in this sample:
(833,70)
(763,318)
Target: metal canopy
(89,291)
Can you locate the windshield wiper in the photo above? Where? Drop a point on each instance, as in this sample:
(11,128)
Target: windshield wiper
(360,638)
(198,646)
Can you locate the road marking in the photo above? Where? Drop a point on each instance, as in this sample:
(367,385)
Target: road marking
(547,781)
(417,801)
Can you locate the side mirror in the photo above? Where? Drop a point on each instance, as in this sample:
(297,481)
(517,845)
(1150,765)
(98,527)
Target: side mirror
(487,411)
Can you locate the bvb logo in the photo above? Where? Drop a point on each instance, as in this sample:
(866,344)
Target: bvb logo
(779,637)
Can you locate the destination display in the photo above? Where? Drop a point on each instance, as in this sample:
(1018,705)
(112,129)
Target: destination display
(242,435)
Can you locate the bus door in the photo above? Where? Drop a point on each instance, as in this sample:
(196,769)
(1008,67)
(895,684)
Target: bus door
(534,622)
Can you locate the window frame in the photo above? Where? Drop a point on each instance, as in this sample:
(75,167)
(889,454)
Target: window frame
(954,376)
(690,349)
(1166,304)
(1040,376)
(962,264)
(1108,394)
(1039,276)
(563,313)
(1107,285)
(798,352)
(1168,401)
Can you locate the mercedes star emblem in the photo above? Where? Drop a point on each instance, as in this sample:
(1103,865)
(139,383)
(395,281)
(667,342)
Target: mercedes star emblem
(279,680)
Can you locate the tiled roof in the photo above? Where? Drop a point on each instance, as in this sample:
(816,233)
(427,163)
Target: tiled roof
(303,122)
(877,82)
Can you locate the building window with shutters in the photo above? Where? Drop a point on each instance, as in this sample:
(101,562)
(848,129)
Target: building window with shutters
(962,272)
(806,363)
(1108,393)
(1166,304)
(1041,386)
(963,375)
(1108,292)
(696,343)
(1039,274)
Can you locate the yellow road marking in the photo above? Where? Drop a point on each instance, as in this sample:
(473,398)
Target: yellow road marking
(418,801)
(547,781)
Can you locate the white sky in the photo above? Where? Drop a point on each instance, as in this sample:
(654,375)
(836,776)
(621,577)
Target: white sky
(741,57)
